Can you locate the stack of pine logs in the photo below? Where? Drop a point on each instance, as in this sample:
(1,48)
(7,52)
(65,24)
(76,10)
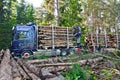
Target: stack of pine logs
(109,41)
(45,36)
(18,69)
(12,68)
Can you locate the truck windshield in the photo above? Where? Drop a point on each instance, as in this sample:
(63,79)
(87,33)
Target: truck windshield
(21,35)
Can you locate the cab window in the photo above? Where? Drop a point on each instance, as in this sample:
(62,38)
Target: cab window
(21,35)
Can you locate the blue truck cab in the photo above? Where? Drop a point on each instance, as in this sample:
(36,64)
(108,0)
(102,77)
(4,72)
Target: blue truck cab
(24,40)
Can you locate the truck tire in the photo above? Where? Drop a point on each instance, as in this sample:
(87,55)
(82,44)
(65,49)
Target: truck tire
(26,54)
(71,51)
(64,52)
(58,51)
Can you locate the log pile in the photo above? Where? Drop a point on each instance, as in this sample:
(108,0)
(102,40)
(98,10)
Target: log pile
(46,69)
(18,69)
(108,40)
(46,36)
(81,62)
(59,64)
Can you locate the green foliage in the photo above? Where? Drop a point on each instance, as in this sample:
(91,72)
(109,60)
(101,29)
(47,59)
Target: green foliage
(38,56)
(118,75)
(106,74)
(30,13)
(43,17)
(118,52)
(49,5)
(77,73)
(24,13)
(89,73)
(5,37)
(101,13)
(70,13)
(83,34)
(9,18)
(43,56)
(21,16)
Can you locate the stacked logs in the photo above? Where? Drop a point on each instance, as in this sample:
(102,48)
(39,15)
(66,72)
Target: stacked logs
(59,64)
(14,69)
(18,69)
(108,40)
(46,38)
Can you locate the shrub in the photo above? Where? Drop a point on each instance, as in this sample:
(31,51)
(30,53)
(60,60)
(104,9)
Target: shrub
(77,73)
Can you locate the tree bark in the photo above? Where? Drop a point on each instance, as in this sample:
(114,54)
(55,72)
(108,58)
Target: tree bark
(32,69)
(15,71)
(39,72)
(5,68)
(57,59)
(81,62)
(1,55)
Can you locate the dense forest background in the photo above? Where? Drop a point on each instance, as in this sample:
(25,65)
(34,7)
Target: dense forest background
(12,13)
(90,14)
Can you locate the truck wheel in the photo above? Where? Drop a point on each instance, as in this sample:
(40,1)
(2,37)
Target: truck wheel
(58,51)
(71,51)
(63,52)
(26,54)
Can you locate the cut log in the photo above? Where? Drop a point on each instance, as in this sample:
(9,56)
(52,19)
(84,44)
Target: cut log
(60,36)
(56,59)
(5,68)
(32,72)
(111,41)
(19,72)
(23,75)
(81,62)
(58,69)
(1,55)
(47,74)
(38,72)
(15,71)
(60,77)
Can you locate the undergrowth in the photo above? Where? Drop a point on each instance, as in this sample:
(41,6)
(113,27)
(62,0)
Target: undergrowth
(78,73)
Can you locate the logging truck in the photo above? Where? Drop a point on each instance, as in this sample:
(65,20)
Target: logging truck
(30,38)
